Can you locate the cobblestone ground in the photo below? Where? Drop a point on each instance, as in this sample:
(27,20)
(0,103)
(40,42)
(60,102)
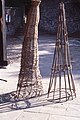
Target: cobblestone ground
(38,108)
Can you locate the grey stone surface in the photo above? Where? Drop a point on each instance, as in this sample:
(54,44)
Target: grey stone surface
(40,108)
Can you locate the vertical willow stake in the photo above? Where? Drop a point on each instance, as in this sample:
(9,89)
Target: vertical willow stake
(29,83)
(61,79)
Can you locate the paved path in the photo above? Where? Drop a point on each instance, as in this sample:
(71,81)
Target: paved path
(39,108)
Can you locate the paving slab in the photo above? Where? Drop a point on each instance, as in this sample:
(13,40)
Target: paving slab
(33,116)
(41,108)
(53,117)
(14,115)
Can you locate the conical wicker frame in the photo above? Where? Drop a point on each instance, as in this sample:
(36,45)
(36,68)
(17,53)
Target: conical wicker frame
(61,85)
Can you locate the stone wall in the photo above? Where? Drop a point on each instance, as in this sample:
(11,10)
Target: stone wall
(49,15)
(49,12)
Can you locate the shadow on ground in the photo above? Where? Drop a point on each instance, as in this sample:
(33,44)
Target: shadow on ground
(9,103)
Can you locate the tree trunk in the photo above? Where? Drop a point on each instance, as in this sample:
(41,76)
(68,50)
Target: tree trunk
(29,83)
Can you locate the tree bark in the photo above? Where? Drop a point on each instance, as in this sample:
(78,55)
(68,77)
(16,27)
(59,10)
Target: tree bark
(29,83)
